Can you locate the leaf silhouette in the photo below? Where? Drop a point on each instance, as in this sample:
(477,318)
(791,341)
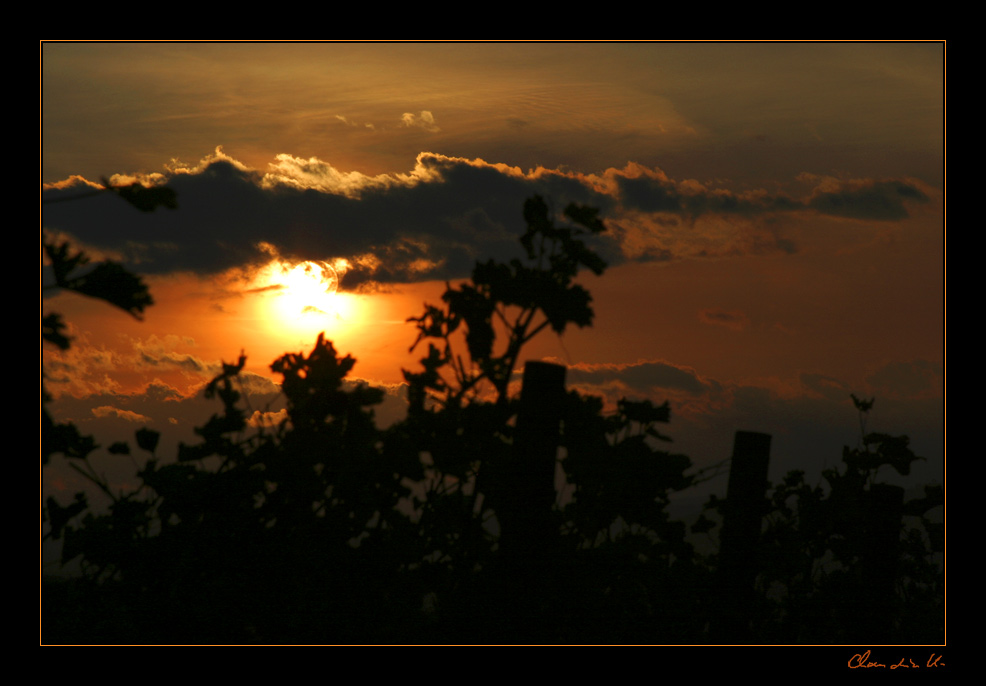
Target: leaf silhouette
(109,281)
(147,439)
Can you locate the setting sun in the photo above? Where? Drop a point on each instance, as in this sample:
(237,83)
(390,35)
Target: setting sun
(309,287)
(303,298)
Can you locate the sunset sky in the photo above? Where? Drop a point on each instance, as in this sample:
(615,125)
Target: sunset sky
(775,214)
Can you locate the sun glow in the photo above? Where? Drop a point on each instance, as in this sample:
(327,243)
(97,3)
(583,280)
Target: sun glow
(303,299)
(309,285)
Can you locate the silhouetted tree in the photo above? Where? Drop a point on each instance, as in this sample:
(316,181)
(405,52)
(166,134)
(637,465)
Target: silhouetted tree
(112,283)
(107,281)
(326,528)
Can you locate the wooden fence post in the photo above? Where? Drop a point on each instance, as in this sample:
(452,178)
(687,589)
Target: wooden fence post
(526,519)
(739,542)
(879,544)
(524,509)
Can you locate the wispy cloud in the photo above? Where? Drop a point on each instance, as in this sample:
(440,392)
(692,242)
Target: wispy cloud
(425,120)
(128,415)
(733,319)
(643,377)
(349,122)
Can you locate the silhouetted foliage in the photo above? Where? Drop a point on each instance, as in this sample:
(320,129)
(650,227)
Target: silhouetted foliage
(325,528)
(110,282)
(851,562)
(107,281)
(523,299)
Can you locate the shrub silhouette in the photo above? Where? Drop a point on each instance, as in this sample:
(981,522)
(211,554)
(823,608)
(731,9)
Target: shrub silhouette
(850,562)
(329,529)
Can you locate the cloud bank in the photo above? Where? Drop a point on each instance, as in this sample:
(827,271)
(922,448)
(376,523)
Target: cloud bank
(436,220)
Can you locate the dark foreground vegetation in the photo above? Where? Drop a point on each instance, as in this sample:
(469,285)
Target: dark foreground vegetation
(447,527)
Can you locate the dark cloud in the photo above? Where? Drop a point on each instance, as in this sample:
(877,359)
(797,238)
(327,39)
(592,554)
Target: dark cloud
(642,377)
(172,360)
(432,223)
(735,320)
(650,194)
(652,191)
(866,199)
(879,200)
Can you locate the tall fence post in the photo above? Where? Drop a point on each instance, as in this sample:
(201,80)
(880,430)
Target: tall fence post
(524,511)
(739,542)
(879,543)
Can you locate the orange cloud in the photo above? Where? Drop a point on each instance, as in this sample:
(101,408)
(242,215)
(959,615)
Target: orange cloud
(110,411)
